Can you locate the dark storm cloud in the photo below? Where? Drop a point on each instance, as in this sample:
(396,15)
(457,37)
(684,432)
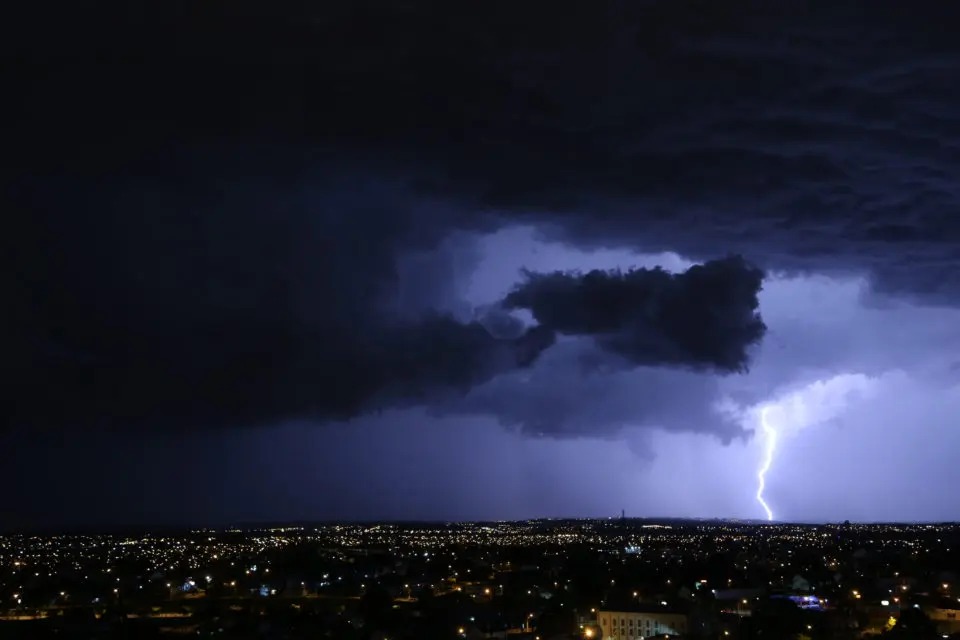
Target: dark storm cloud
(803,138)
(705,317)
(198,302)
(185,301)
(574,390)
(235,303)
(499,322)
(212,204)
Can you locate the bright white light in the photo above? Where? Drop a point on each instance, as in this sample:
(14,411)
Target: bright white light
(770,445)
(815,403)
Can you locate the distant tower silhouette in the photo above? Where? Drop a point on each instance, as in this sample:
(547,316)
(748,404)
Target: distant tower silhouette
(623,514)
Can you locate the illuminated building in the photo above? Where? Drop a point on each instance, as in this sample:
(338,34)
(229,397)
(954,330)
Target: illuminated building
(636,624)
(946,619)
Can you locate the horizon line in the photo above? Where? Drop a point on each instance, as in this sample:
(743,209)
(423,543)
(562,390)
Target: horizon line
(111,529)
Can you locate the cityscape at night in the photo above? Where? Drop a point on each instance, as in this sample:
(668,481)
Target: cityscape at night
(455,320)
(612,578)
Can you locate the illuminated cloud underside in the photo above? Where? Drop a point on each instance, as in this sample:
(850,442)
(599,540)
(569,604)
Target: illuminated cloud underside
(818,402)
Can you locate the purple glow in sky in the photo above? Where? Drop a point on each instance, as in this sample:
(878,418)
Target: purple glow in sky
(483,265)
(835,354)
(861,392)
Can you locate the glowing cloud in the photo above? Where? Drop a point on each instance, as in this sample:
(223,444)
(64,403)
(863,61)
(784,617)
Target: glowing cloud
(813,404)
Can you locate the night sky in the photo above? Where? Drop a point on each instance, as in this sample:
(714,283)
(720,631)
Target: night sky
(272,261)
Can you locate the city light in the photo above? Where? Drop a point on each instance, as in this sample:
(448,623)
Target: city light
(60,559)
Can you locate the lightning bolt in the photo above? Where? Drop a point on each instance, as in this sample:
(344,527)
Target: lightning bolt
(770,445)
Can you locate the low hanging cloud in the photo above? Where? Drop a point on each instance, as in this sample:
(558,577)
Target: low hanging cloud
(706,317)
(169,308)
(576,391)
(814,403)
